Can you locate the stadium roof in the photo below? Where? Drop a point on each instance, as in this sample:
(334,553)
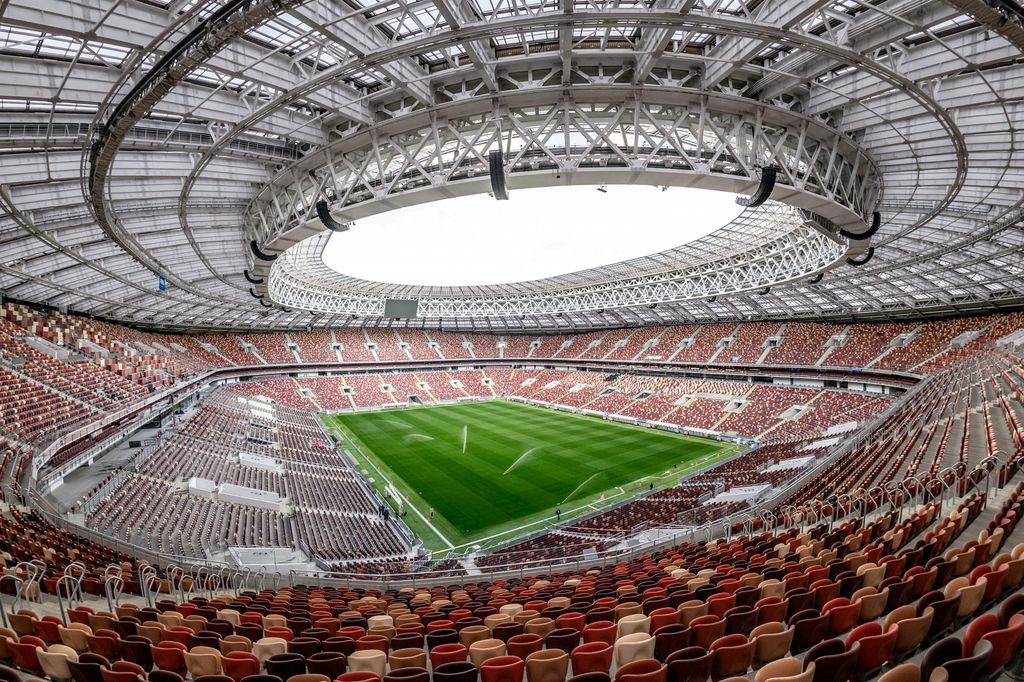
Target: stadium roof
(191,140)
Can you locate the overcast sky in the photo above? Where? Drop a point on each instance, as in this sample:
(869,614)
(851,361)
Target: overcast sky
(536,233)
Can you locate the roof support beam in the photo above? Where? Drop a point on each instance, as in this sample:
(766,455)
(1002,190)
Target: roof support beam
(654,41)
(351,30)
(137,28)
(458,13)
(565,42)
(865,33)
(732,52)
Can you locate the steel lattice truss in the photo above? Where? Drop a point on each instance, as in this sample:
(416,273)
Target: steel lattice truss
(301,280)
(157,138)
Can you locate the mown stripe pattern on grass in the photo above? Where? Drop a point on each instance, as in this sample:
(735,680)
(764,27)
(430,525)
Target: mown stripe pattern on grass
(518,459)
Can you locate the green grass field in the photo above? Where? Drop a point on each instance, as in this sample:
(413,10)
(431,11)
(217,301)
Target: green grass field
(499,468)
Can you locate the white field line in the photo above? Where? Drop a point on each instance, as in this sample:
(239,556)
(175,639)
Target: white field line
(690,466)
(391,483)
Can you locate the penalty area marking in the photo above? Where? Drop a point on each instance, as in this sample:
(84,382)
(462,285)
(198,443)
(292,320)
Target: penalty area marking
(369,460)
(429,524)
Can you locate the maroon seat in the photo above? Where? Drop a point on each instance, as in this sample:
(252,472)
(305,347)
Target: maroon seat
(456,671)
(669,639)
(832,661)
(949,653)
(692,664)
(809,628)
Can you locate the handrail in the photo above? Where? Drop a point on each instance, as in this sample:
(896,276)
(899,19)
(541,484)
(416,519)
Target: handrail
(113,586)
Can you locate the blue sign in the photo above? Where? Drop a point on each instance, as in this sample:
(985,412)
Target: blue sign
(161,283)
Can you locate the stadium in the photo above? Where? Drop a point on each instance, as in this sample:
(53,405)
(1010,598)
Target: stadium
(518,341)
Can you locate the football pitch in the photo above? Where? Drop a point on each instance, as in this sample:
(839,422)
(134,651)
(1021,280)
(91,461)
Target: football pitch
(488,471)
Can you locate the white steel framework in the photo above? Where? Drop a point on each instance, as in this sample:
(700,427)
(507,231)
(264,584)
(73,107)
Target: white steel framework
(158,138)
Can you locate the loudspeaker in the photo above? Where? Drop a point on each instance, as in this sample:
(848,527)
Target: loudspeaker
(857,263)
(259,254)
(497,167)
(764,190)
(324,213)
(876,222)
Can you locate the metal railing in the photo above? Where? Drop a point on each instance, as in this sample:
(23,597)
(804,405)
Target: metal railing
(184,577)
(766,514)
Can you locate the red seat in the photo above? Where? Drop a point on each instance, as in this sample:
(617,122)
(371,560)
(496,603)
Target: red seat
(600,631)
(239,664)
(169,655)
(179,633)
(718,604)
(876,646)
(281,631)
(996,580)
(447,653)
(706,629)
(592,657)
(48,629)
(355,631)
(664,616)
(80,614)
(379,642)
(923,581)
(104,643)
(824,591)
(734,654)
(23,652)
(502,669)
(576,621)
(843,615)
(358,676)
(1005,642)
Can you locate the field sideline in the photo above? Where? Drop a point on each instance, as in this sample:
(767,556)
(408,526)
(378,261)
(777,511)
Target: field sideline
(498,468)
